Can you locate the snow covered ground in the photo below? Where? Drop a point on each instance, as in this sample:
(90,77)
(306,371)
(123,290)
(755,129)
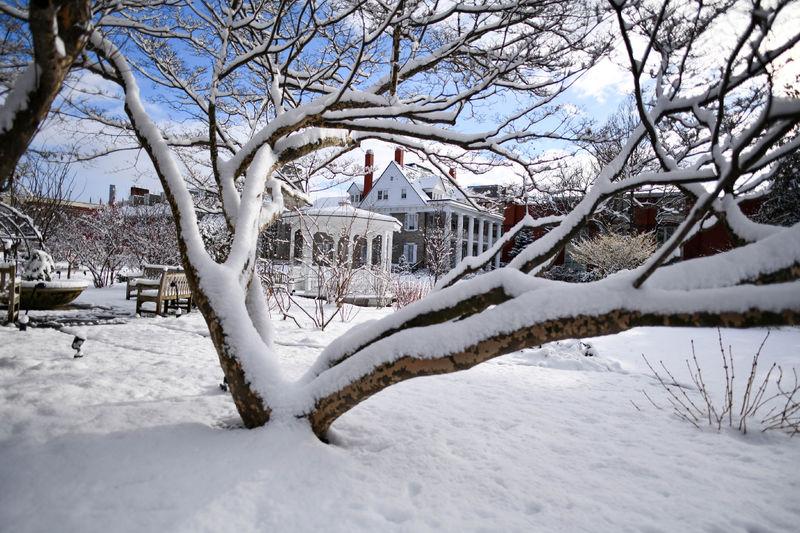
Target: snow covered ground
(137,436)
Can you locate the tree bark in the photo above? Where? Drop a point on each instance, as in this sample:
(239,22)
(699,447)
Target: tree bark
(332,406)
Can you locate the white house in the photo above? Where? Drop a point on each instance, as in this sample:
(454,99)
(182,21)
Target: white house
(428,205)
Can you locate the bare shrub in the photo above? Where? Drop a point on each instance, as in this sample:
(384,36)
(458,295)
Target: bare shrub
(771,401)
(409,288)
(611,252)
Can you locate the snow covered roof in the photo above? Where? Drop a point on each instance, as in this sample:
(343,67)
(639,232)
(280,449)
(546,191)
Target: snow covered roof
(336,211)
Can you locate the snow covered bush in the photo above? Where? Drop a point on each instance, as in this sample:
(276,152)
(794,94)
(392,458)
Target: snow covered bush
(98,240)
(611,252)
(569,273)
(38,267)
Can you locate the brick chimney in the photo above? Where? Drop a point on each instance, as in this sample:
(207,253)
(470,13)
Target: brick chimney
(453,173)
(369,167)
(399,155)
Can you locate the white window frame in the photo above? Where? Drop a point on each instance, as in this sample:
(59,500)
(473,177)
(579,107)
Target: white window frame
(403,193)
(383,194)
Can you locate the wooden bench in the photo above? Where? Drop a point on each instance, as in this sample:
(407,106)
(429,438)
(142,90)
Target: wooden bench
(149,272)
(10,287)
(170,291)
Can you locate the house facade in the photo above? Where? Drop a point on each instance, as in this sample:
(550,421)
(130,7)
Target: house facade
(440,223)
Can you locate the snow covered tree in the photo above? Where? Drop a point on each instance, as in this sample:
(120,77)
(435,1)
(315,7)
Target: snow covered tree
(150,234)
(272,82)
(99,240)
(522,240)
(41,190)
(782,201)
(438,248)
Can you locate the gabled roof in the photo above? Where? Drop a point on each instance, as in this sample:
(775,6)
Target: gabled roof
(392,164)
(423,179)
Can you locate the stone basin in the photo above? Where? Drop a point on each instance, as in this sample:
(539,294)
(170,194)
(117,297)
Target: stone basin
(49,294)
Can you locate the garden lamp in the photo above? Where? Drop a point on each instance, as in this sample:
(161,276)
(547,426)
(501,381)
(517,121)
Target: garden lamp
(77,342)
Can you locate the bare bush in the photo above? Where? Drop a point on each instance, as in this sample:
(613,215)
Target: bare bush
(409,288)
(770,401)
(611,252)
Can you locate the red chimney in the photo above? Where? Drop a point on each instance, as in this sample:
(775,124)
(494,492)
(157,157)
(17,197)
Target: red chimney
(369,163)
(453,173)
(399,153)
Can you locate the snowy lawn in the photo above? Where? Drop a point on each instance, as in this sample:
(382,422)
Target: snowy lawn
(137,436)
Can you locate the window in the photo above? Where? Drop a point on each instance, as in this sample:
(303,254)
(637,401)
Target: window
(411,222)
(355,198)
(402,193)
(410,252)
(383,194)
(664,233)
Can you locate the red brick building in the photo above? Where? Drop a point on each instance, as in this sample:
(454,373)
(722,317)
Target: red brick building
(649,215)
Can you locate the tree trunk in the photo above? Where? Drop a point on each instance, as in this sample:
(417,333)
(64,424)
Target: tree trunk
(41,82)
(251,406)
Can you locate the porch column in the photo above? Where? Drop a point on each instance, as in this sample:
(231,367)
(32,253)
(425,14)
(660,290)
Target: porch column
(459,236)
(497,257)
(387,253)
(470,235)
(491,241)
(480,236)
(368,262)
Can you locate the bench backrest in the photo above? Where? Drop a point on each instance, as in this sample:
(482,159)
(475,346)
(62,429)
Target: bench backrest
(173,283)
(155,271)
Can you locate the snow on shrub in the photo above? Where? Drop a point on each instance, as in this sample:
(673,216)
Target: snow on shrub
(38,267)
